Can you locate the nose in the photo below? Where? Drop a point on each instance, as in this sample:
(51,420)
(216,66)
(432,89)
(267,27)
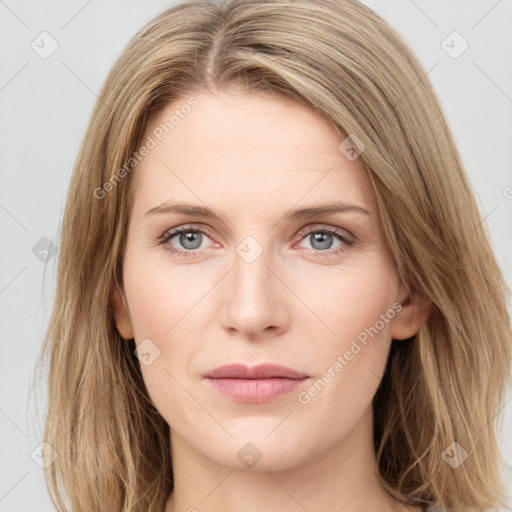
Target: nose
(254,305)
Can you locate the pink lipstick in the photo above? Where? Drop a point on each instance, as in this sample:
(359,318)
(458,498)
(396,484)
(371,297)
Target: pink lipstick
(254,385)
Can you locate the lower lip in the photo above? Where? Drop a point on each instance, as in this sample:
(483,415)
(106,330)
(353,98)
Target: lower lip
(255,390)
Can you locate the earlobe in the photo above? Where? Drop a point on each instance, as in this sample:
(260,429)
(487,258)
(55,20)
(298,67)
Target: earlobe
(416,309)
(121,315)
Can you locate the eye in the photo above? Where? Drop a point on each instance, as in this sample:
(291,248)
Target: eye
(321,239)
(189,238)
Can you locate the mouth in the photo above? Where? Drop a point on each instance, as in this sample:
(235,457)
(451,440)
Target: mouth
(254,385)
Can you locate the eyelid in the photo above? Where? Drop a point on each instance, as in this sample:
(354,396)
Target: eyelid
(343,234)
(172,232)
(304,229)
(329,228)
(187,227)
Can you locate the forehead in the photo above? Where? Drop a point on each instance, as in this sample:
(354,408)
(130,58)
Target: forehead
(234,146)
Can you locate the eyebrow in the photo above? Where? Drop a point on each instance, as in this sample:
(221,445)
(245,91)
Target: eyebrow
(296,214)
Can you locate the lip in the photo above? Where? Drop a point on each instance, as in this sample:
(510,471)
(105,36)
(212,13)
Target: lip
(254,385)
(262,371)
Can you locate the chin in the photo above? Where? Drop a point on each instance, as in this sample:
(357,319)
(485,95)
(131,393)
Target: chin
(250,454)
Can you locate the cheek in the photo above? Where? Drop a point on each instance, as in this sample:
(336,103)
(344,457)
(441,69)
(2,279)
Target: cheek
(353,303)
(160,295)
(164,307)
(353,338)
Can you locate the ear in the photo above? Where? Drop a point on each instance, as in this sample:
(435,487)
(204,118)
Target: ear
(416,310)
(121,315)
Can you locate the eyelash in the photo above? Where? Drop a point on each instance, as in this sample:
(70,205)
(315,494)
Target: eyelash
(347,240)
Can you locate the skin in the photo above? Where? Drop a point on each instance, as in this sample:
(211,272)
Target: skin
(253,158)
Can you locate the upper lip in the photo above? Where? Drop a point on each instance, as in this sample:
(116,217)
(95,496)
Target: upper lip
(262,371)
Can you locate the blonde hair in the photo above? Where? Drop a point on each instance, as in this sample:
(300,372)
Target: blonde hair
(341,59)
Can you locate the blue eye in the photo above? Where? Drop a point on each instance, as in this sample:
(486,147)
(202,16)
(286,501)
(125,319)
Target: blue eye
(189,238)
(321,240)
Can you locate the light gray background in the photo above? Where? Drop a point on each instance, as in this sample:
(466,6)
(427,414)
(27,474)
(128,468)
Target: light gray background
(46,103)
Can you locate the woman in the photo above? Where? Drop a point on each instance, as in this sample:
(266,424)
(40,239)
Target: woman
(274,290)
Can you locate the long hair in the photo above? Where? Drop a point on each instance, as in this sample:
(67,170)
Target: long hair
(441,392)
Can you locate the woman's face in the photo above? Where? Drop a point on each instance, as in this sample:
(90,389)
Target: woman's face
(317,293)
